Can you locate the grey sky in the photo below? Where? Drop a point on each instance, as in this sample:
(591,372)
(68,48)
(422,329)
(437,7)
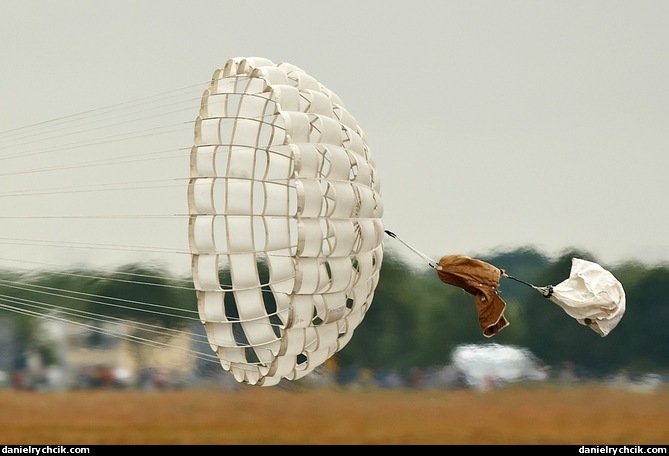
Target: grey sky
(495,124)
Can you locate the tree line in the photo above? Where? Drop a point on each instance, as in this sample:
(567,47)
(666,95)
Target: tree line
(415,320)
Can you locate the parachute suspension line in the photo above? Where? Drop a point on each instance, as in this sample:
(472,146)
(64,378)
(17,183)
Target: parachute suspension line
(124,105)
(204,356)
(130,277)
(125,159)
(45,310)
(546,291)
(87,320)
(431,262)
(127,304)
(518,280)
(94,246)
(137,134)
(91,163)
(34,137)
(103,187)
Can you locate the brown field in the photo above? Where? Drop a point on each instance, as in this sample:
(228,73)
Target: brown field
(542,415)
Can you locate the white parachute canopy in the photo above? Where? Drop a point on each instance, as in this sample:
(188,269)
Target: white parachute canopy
(285,225)
(591,295)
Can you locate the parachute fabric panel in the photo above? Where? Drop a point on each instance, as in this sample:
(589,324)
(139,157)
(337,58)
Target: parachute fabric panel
(285,225)
(591,295)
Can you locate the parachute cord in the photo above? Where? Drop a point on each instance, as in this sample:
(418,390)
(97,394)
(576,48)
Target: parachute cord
(431,262)
(547,292)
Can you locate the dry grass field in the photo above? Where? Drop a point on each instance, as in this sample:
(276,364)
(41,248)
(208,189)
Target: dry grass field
(540,415)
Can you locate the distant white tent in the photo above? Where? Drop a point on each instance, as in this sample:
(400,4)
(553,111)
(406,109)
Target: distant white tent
(488,365)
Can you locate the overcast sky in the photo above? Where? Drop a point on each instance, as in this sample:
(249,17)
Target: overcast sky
(495,124)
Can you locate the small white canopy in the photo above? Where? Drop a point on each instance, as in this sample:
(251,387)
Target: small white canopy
(591,295)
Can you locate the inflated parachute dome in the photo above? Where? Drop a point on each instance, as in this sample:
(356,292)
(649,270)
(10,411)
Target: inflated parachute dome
(285,224)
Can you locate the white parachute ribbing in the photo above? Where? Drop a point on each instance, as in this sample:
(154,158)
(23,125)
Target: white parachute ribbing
(285,223)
